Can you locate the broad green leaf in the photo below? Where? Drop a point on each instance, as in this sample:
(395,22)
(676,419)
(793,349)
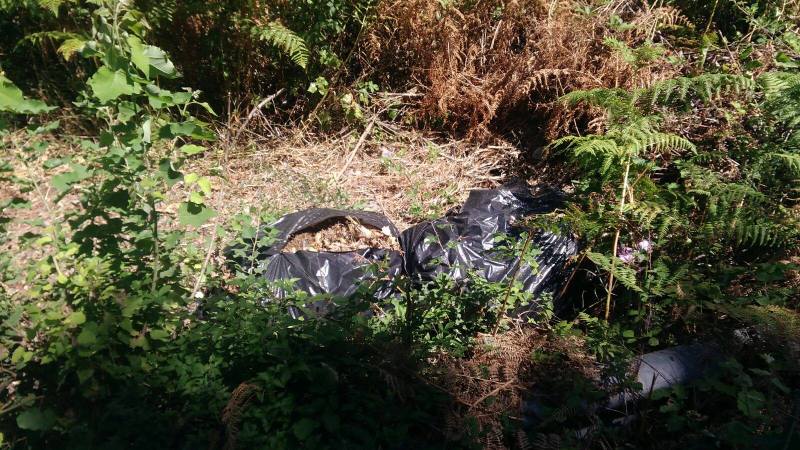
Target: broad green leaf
(168,172)
(628,334)
(207,107)
(159,98)
(151,60)
(161,335)
(107,85)
(138,56)
(194,214)
(205,185)
(87,336)
(191,149)
(63,181)
(193,129)
(750,402)
(140,341)
(159,62)
(75,319)
(12,100)
(52,163)
(85,374)
(126,111)
(36,420)
(131,306)
(196,197)
(21,355)
(778,384)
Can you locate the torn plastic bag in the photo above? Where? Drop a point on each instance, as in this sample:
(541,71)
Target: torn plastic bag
(334,273)
(467,241)
(458,244)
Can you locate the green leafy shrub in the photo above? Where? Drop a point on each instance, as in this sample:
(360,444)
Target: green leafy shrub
(119,330)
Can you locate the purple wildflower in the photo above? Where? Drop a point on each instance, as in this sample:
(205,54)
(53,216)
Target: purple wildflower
(626,255)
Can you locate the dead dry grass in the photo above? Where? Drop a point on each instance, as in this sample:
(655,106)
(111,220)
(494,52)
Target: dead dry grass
(404,174)
(491,384)
(37,214)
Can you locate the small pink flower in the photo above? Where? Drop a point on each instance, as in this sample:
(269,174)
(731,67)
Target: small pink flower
(626,255)
(645,246)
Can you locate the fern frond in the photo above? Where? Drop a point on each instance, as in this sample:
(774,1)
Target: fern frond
(623,273)
(597,146)
(70,47)
(603,97)
(775,83)
(791,161)
(52,5)
(707,86)
(285,39)
(755,234)
(662,143)
(622,49)
(660,277)
(582,145)
(704,181)
(651,215)
(70,42)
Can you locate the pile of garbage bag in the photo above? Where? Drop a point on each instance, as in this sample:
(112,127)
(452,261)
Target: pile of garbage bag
(467,242)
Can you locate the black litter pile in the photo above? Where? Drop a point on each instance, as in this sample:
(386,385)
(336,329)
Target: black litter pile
(466,241)
(334,273)
(460,243)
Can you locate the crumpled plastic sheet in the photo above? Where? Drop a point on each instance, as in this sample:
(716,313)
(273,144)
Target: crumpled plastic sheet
(465,241)
(335,273)
(457,244)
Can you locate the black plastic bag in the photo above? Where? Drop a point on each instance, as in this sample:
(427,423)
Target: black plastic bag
(458,244)
(467,241)
(334,273)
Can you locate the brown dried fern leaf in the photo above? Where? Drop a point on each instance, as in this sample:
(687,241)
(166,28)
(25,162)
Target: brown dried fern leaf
(232,413)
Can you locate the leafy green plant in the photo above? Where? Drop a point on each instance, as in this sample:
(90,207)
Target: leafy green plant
(111,288)
(707,208)
(121,330)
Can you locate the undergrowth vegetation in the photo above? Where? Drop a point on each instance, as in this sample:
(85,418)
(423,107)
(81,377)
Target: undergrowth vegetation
(673,126)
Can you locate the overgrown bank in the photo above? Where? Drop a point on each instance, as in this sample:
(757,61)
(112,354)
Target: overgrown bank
(673,127)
